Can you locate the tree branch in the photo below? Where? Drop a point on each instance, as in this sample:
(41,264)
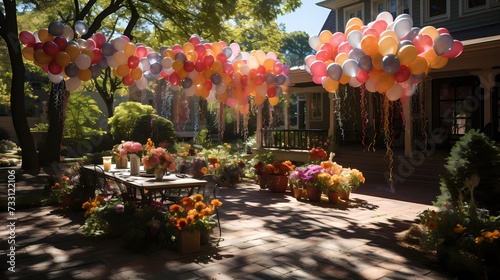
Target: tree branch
(133,20)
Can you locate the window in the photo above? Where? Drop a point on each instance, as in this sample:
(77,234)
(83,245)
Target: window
(472,6)
(353,11)
(436,10)
(317,106)
(395,7)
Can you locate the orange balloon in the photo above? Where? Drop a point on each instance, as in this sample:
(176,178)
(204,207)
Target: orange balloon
(385,82)
(41,57)
(418,66)
(354,21)
(216,48)
(431,31)
(63,59)
(122,70)
(352,28)
(274,100)
(324,36)
(331,85)
(28,53)
(129,49)
(439,62)
(344,79)
(226,79)
(88,52)
(377,61)
(259,99)
(182,74)
(192,56)
(207,73)
(369,44)
(269,64)
(44,36)
(341,58)
(169,53)
(178,65)
(430,56)
(222,97)
(73,51)
(217,67)
(187,47)
(136,73)
(388,45)
(84,75)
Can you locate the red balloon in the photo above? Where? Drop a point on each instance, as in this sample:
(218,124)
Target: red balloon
(278,67)
(322,55)
(177,48)
(97,55)
(175,80)
(133,61)
(423,43)
(208,60)
(91,44)
(455,51)
(262,70)
(50,48)
(221,57)
(229,68)
(55,68)
(259,79)
(188,66)
(141,51)
(208,84)
(362,76)
(27,38)
(128,80)
(99,40)
(194,40)
(38,46)
(200,50)
(61,43)
(402,74)
(271,92)
(244,80)
(199,66)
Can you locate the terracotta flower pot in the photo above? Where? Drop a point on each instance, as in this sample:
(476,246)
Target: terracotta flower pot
(188,242)
(297,193)
(344,195)
(277,183)
(314,194)
(333,197)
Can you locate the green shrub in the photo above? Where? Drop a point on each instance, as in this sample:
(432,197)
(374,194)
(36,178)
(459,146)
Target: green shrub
(124,117)
(158,128)
(473,154)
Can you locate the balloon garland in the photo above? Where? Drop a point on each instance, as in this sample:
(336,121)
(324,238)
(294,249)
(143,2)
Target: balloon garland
(215,71)
(389,56)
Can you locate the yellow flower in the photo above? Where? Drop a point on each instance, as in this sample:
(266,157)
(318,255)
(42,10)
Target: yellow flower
(459,228)
(433,213)
(478,239)
(198,197)
(432,225)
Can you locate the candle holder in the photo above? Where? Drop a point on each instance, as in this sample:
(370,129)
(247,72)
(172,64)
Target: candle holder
(106,163)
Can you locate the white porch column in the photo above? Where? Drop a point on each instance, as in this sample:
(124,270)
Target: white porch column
(408,126)
(258,132)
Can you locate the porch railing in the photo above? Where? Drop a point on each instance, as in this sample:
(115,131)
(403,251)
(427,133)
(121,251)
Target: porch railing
(294,139)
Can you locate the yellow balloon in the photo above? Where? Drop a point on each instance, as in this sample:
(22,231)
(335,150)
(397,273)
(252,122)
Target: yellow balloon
(385,82)
(439,62)
(352,28)
(430,56)
(44,36)
(418,66)
(274,100)
(388,45)
(260,55)
(431,31)
(217,67)
(88,52)
(354,21)
(331,85)
(369,45)
(207,73)
(269,64)
(324,36)
(192,56)
(169,53)
(28,53)
(129,49)
(177,65)
(84,75)
(389,33)
(182,74)
(407,54)
(216,48)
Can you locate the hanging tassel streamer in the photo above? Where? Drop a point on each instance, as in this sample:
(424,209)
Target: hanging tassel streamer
(338,113)
(364,116)
(388,140)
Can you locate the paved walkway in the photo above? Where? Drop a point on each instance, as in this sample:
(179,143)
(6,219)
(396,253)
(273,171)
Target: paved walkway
(264,236)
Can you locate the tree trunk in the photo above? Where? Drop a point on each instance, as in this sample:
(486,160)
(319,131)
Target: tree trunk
(8,31)
(50,154)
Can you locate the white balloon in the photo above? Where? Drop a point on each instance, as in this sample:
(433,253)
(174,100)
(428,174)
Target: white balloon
(385,16)
(402,27)
(354,39)
(394,93)
(111,62)
(142,83)
(73,84)
(55,78)
(83,61)
(314,42)
(119,43)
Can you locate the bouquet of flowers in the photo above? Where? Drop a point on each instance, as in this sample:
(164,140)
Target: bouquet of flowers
(192,214)
(317,154)
(279,168)
(159,158)
(131,147)
(61,188)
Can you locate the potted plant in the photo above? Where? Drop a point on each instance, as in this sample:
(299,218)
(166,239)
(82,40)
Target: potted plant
(159,160)
(350,181)
(295,183)
(61,191)
(257,168)
(277,175)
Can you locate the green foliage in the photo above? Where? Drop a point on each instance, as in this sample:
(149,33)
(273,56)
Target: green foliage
(123,120)
(203,139)
(82,115)
(295,47)
(473,154)
(156,127)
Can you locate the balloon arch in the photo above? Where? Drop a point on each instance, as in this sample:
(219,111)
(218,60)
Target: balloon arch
(214,71)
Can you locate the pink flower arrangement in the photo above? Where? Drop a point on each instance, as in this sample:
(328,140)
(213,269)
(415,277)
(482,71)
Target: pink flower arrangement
(159,158)
(130,147)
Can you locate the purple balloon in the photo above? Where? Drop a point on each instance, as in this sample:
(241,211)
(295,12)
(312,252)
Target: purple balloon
(216,78)
(108,49)
(187,83)
(71,70)
(365,63)
(390,64)
(280,79)
(334,71)
(443,43)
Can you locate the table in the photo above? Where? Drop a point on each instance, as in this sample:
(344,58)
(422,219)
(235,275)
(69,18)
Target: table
(146,184)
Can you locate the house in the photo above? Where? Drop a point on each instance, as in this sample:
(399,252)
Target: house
(448,101)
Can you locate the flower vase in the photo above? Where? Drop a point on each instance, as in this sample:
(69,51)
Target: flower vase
(277,183)
(135,164)
(314,194)
(188,241)
(333,197)
(159,173)
(121,162)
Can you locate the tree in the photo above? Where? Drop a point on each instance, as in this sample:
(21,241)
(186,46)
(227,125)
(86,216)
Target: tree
(295,47)
(8,32)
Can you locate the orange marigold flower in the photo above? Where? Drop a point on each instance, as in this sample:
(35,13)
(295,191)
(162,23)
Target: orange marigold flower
(198,197)
(204,170)
(86,205)
(99,198)
(215,202)
(87,213)
(432,225)
(56,185)
(182,223)
(478,239)
(190,219)
(187,201)
(175,208)
(459,228)
(199,206)
(93,204)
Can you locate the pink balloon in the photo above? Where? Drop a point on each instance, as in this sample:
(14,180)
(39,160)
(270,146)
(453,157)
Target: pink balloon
(362,76)
(99,40)
(402,74)
(27,38)
(317,80)
(344,47)
(286,70)
(195,40)
(141,51)
(177,48)
(336,39)
(455,51)
(278,67)
(91,44)
(200,50)
(379,25)
(318,68)
(443,30)
(371,31)
(423,43)
(309,60)
(322,55)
